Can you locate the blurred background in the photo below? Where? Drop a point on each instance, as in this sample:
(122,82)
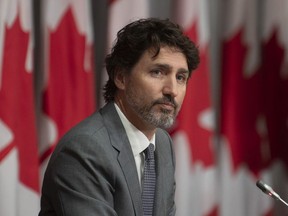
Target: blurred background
(233,126)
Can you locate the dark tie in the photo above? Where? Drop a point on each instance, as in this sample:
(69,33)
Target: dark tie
(149,181)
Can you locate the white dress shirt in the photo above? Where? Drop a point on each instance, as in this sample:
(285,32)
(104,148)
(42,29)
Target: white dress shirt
(138,141)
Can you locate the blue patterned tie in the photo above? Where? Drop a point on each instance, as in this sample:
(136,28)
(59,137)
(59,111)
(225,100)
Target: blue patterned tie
(149,181)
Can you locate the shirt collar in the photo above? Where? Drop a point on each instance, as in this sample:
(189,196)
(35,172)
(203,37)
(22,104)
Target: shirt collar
(138,141)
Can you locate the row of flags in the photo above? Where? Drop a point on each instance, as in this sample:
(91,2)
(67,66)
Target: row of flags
(222,149)
(64,93)
(233,126)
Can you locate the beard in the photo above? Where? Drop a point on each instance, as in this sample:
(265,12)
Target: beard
(162,118)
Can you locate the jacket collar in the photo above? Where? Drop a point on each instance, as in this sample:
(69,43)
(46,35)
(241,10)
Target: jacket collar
(120,142)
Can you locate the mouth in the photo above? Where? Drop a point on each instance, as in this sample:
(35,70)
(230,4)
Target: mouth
(167,106)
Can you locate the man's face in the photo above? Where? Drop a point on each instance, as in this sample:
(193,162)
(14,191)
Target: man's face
(155,88)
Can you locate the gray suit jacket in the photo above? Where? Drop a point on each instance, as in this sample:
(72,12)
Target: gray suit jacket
(92,171)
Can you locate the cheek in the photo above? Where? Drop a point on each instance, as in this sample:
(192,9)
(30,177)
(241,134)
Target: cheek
(146,89)
(139,93)
(150,89)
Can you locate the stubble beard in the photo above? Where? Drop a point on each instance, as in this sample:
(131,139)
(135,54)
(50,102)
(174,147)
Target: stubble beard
(162,119)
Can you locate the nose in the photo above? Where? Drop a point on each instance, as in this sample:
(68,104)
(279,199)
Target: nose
(170,87)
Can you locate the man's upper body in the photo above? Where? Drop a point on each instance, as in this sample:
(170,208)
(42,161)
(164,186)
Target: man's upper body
(95,169)
(92,171)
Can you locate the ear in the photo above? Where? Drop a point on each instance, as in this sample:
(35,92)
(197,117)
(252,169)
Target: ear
(119,80)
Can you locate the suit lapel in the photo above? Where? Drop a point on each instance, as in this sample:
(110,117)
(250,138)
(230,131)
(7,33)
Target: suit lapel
(129,169)
(119,140)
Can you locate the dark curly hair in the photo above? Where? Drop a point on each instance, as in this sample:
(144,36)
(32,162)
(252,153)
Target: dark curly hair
(137,37)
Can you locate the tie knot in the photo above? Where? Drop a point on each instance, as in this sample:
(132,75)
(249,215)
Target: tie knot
(149,152)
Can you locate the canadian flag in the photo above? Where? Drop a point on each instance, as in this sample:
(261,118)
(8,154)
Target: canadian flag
(196,193)
(246,152)
(122,12)
(68,81)
(275,70)
(19,178)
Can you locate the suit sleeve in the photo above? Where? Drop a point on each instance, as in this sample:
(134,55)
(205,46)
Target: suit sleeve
(165,148)
(78,181)
(172,211)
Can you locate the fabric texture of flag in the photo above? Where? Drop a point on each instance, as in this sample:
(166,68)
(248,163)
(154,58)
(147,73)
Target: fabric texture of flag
(19,179)
(249,116)
(192,135)
(275,71)
(68,81)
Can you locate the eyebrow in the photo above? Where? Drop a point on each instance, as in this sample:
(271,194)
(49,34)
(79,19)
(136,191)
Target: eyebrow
(168,67)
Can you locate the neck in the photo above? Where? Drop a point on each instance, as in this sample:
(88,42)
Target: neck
(147,129)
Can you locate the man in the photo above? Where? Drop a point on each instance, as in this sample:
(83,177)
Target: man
(99,167)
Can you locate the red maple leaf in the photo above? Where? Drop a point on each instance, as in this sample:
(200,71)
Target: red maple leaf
(276,98)
(69,96)
(196,101)
(17,104)
(241,106)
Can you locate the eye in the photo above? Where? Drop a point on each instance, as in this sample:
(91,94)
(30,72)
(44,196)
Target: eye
(156,72)
(182,78)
